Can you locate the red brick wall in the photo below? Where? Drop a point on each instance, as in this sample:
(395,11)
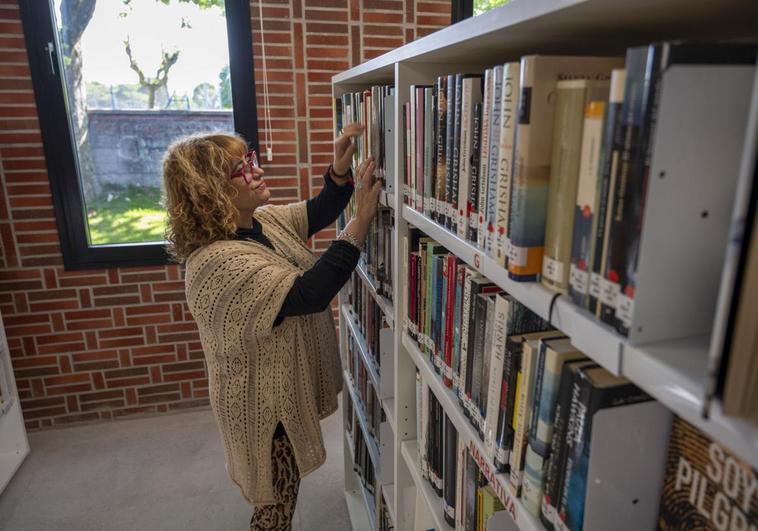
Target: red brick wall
(95,345)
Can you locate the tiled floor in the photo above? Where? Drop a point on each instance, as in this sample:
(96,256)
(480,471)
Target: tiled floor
(157,473)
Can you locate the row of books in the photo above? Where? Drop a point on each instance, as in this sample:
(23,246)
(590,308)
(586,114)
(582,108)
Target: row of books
(375,109)
(376,258)
(369,401)
(447,464)
(543,164)
(367,315)
(506,366)
(365,468)
(385,518)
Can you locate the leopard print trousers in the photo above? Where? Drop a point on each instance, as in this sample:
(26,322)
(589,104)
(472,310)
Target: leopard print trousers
(278,516)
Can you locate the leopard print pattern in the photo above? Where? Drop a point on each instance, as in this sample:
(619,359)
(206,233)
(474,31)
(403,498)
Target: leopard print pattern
(278,516)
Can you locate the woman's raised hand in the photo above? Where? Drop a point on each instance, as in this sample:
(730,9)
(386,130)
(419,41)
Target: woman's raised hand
(344,148)
(367,188)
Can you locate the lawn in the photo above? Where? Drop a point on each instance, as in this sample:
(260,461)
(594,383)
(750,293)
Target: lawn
(131,215)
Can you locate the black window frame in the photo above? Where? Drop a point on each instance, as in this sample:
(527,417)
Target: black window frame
(460,10)
(39,30)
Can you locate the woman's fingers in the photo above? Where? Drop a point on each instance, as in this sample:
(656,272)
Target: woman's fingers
(344,140)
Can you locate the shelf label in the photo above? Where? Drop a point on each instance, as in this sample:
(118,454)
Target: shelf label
(609,292)
(517,255)
(596,282)
(579,279)
(478,261)
(495,481)
(552,269)
(625,309)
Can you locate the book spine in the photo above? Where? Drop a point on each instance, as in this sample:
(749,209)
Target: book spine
(466,312)
(585,218)
(450,452)
(473,196)
(442,156)
(449,150)
(508,122)
(531,486)
(629,195)
(484,158)
(413,120)
(453,221)
(420,145)
(610,154)
(497,356)
(464,164)
(450,320)
(408,153)
(423,463)
(489,341)
(493,152)
(429,144)
(474,368)
(523,412)
(457,326)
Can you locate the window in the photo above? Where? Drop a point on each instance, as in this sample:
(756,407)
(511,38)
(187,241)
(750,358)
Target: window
(116,82)
(481,6)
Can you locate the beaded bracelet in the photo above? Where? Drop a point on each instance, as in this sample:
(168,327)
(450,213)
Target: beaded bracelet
(349,238)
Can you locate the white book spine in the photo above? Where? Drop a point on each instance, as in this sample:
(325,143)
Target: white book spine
(497,356)
(412,148)
(484,143)
(493,153)
(508,122)
(464,164)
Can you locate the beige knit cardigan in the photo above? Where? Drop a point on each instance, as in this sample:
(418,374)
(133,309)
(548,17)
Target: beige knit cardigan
(260,374)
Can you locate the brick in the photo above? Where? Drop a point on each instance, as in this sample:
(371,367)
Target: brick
(72,403)
(44,412)
(168,397)
(148,319)
(34,361)
(168,297)
(59,338)
(117,301)
(29,330)
(108,404)
(120,332)
(38,403)
(69,389)
(145,309)
(114,290)
(92,280)
(177,367)
(122,342)
(153,276)
(61,348)
(157,389)
(90,324)
(43,261)
(67,379)
(96,355)
(77,418)
(96,365)
(152,349)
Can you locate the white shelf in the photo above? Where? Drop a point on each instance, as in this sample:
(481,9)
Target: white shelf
(388,491)
(360,413)
(554,26)
(389,409)
(674,373)
(598,341)
(523,519)
(384,303)
(358,503)
(360,343)
(409,449)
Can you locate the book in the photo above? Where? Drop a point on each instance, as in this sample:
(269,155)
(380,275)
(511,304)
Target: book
(471,93)
(452,220)
(531,176)
(429,162)
(508,122)
(484,142)
(450,166)
(571,99)
(594,389)
(585,218)
(548,482)
(442,156)
(472,207)
(489,505)
(477,285)
(705,486)
(485,241)
(610,153)
(449,470)
(484,310)
(523,411)
(645,66)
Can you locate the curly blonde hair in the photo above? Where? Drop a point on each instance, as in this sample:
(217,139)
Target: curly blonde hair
(198,193)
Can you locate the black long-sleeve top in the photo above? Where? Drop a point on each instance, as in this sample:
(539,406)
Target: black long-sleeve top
(313,290)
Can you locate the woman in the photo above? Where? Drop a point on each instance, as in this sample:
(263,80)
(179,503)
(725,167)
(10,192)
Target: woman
(261,303)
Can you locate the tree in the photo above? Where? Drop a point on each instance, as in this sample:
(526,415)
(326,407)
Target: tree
(204,96)
(225,88)
(152,84)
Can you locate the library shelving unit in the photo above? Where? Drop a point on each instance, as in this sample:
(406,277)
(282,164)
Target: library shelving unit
(14,446)
(672,372)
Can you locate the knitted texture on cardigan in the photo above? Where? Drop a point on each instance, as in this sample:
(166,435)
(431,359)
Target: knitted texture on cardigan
(260,374)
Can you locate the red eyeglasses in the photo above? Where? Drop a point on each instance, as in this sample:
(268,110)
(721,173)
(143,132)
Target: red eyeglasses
(245,167)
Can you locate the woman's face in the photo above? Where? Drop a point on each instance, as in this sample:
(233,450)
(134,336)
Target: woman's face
(252,194)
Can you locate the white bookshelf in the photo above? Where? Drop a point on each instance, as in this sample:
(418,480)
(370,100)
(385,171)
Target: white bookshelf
(14,446)
(674,372)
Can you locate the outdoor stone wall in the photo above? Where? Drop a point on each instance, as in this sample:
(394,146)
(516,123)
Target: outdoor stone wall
(127,146)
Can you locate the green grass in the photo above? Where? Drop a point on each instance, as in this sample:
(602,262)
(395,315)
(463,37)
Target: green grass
(133,215)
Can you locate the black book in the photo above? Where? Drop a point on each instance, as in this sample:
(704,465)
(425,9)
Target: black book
(476,358)
(473,195)
(450,468)
(555,463)
(438,193)
(645,67)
